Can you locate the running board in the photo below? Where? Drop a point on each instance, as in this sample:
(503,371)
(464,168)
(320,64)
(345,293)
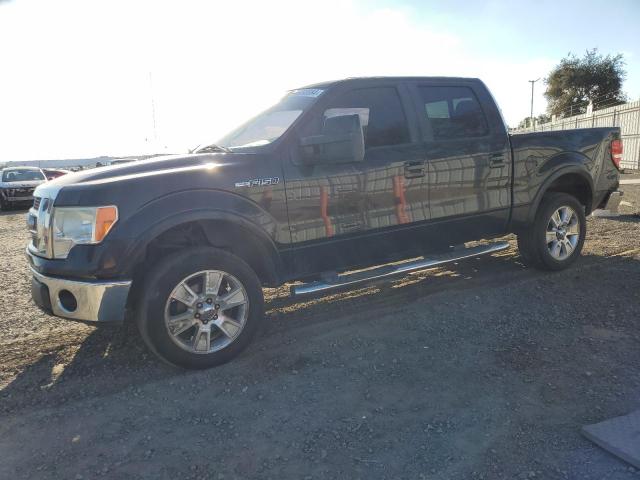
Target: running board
(387,270)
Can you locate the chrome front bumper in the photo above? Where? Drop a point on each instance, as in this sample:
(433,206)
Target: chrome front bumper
(96,301)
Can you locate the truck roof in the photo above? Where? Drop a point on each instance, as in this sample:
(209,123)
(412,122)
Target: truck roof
(18,167)
(373,80)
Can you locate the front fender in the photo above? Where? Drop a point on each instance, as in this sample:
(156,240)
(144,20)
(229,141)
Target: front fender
(127,242)
(125,246)
(174,209)
(180,207)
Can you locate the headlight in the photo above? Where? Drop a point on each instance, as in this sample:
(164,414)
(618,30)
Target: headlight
(80,225)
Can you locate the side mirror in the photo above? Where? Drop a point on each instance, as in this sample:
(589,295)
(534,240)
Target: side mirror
(341,141)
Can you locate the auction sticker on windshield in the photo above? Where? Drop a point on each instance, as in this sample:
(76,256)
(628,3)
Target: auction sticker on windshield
(307,92)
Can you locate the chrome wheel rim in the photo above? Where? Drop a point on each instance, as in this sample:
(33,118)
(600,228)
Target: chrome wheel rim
(563,233)
(206,311)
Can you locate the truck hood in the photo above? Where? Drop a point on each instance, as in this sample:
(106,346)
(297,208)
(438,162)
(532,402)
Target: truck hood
(143,181)
(138,168)
(169,164)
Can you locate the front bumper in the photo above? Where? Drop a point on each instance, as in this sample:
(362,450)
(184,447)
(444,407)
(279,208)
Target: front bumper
(91,301)
(19,199)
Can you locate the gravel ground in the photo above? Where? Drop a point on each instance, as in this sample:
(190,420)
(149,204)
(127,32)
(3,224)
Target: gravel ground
(484,369)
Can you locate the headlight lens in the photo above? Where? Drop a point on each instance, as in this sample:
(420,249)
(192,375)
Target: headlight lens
(80,225)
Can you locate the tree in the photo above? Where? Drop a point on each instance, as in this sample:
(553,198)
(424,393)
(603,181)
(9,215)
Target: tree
(526,121)
(575,82)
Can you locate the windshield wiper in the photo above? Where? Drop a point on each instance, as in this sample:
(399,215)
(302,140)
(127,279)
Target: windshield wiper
(212,149)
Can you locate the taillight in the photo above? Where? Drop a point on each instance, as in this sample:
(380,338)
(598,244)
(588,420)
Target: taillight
(616,152)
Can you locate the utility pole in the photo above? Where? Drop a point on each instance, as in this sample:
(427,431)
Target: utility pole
(153,110)
(532,82)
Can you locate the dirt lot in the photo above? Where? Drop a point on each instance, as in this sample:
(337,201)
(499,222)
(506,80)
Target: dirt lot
(485,370)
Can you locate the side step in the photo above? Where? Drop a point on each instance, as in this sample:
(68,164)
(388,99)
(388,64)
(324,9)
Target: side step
(387,270)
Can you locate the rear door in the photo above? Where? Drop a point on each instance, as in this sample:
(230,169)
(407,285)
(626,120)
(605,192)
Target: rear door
(468,159)
(348,214)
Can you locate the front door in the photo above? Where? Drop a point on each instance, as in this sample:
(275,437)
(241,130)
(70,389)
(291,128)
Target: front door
(348,214)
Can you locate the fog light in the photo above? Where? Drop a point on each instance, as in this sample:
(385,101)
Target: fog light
(67,300)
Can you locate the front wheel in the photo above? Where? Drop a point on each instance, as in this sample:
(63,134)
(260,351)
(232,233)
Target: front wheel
(557,235)
(200,308)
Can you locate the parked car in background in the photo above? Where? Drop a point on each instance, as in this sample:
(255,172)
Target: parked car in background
(17,185)
(52,173)
(336,177)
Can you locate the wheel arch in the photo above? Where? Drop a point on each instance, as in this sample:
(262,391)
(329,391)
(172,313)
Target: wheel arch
(571,179)
(219,229)
(175,222)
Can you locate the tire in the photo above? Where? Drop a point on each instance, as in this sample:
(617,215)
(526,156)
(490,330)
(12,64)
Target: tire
(175,310)
(554,243)
(528,254)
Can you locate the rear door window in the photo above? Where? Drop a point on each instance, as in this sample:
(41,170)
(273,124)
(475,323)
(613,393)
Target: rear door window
(453,112)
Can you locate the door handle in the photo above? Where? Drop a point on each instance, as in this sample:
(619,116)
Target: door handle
(414,169)
(497,160)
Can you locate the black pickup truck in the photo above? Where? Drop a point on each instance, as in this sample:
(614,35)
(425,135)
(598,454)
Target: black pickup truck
(335,177)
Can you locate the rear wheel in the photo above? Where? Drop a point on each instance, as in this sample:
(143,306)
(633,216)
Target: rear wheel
(200,308)
(557,235)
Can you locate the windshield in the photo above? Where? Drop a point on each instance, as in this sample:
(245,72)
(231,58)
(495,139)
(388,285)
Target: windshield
(21,175)
(270,124)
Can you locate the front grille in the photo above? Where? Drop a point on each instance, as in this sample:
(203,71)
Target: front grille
(39,225)
(26,192)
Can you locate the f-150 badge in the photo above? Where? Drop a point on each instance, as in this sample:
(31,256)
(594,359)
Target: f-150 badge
(258,182)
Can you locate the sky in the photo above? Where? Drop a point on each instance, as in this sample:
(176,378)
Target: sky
(84,78)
